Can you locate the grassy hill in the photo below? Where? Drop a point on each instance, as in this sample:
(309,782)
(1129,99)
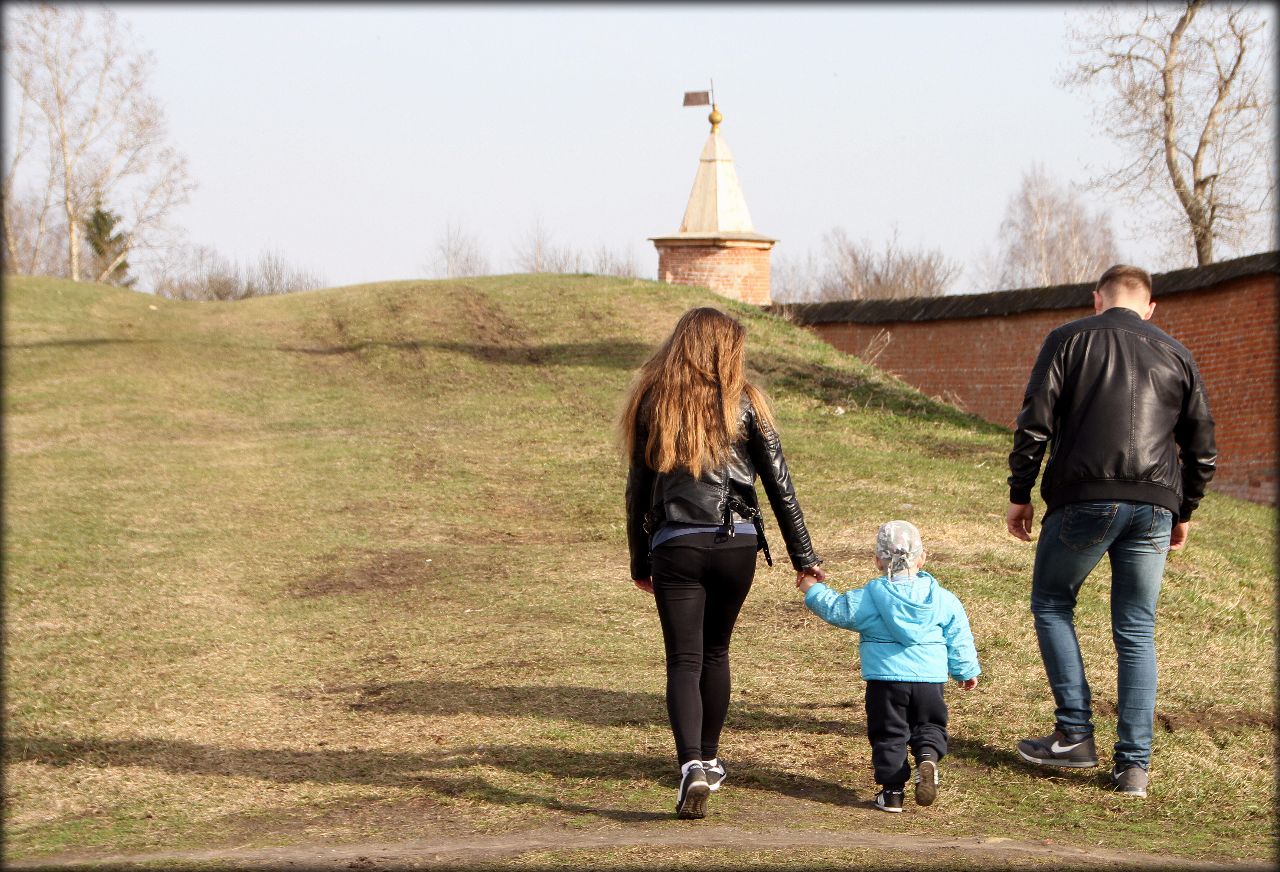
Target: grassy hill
(350,565)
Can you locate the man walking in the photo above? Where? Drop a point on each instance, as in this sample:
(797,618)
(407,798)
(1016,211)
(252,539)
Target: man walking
(1121,407)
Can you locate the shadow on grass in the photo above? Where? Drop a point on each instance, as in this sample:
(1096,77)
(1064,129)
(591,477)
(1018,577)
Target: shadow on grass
(835,387)
(595,706)
(603,353)
(444,773)
(980,753)
(615,355)
(84,342)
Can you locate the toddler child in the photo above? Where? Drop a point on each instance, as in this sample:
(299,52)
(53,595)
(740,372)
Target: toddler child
(914,633)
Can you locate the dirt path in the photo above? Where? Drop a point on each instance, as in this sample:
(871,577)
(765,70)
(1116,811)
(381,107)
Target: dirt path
(426,853)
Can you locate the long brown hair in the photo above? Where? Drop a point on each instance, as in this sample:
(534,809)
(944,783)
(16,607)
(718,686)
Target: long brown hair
(689,393)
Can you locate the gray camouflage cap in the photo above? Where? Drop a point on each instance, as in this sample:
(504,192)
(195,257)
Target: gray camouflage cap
(898,545)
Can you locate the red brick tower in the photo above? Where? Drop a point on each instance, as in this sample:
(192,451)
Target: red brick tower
(716,245)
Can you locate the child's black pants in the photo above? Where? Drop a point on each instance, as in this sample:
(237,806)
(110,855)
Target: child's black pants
(902,713)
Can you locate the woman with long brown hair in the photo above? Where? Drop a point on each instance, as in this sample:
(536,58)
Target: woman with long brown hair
(697,434)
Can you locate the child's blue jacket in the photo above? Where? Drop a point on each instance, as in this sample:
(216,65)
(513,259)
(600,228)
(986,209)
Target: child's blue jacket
(912,629)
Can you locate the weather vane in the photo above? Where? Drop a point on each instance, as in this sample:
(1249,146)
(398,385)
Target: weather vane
(705,98)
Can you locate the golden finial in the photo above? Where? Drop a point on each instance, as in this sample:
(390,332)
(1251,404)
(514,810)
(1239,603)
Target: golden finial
(715,118)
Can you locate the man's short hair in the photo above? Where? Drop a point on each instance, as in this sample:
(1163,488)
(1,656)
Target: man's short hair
(1123,277)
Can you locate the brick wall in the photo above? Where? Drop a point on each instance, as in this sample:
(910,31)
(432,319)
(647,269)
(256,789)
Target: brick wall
(982,365)
(740,273)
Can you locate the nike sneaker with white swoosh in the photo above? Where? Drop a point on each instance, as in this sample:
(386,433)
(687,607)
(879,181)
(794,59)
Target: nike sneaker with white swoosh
(1131,781)
(1056,749)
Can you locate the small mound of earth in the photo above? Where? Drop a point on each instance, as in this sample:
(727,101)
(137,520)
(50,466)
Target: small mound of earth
(1212,719)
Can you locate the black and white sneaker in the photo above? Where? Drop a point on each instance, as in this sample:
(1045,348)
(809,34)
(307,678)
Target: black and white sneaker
(1056,749)
(926,782)
(716,773)
(890,799)
(691,800)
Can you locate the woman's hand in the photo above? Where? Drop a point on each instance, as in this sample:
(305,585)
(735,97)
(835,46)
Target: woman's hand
(969,683)
(645,584)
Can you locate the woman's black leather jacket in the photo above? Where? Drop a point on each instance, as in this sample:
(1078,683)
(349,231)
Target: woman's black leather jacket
(719,496)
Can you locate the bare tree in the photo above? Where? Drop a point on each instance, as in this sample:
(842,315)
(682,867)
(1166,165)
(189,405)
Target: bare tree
(534,251)
(859,271)
(29,225)
(606,263)
(565,259)
(457,253)
(26,216)
(274,275)
(794,279)
(201,273)
(83,98)
(1191,95)
(1049,236)
(538,253)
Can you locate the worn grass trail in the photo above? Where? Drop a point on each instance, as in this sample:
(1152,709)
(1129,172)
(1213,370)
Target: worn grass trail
(348,567)
(705,846)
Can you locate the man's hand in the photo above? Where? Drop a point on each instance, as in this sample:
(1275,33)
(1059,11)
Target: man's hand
(645,584)
(1178,535)
(1018,521)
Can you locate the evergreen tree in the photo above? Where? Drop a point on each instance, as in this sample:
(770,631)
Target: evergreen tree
(108,246)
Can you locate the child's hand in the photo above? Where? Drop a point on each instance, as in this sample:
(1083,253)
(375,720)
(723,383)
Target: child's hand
(969,683)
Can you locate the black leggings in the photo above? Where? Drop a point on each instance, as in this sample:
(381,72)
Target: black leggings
(700,585)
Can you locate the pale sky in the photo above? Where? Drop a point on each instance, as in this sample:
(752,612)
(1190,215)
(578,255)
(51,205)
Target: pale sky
(345,137)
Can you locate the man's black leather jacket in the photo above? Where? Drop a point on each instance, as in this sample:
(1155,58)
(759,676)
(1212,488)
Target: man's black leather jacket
(1121,407)
(653,497)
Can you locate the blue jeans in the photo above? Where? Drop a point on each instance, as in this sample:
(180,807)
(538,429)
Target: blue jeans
(1072,541)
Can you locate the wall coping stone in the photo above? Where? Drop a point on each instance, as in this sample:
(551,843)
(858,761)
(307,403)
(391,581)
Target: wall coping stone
(1014,301)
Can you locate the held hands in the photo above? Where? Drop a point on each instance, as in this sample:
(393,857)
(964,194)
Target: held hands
(1018,521)
(805,579)
(808,577)
(968,683)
